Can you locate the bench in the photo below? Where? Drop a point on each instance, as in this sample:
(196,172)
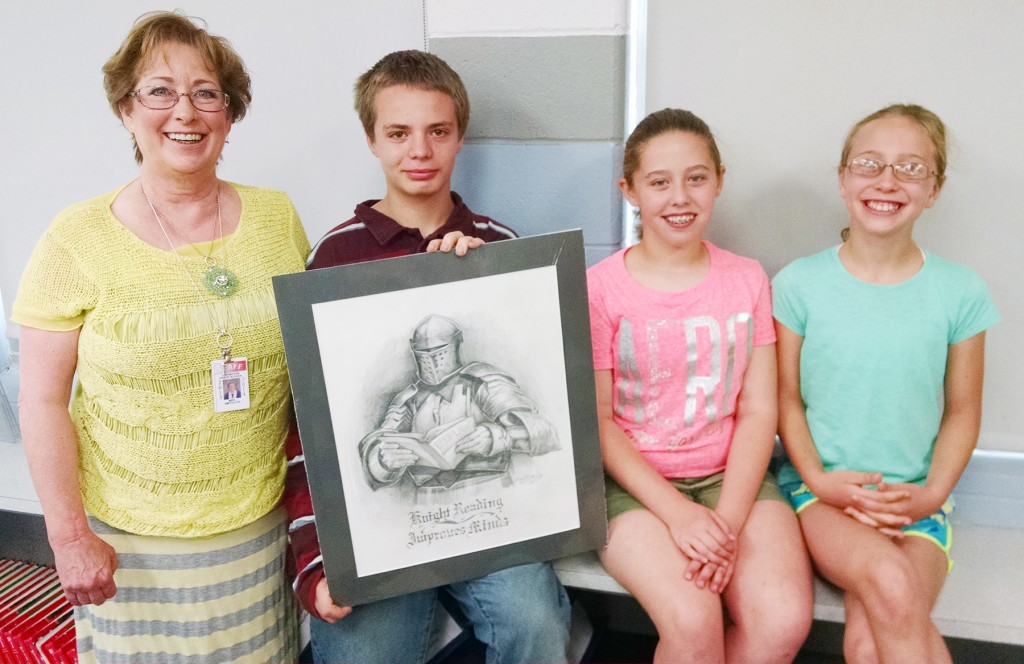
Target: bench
(983,598)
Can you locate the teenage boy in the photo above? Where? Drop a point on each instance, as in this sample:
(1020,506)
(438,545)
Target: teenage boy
(414,110)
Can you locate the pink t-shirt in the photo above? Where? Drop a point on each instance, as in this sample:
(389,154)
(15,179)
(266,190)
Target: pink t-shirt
(678,359)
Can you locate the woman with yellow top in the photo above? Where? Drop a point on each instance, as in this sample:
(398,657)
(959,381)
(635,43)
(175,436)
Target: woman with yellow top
(160,489)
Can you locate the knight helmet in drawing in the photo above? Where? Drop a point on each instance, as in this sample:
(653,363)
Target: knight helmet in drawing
(435,345)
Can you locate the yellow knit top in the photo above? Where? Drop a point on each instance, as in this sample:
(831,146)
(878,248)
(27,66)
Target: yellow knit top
(154,458)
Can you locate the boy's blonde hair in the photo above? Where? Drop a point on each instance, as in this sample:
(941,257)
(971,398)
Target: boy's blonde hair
(415,69)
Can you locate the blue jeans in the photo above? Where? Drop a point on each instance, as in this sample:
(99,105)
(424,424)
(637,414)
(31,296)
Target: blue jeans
(521,614)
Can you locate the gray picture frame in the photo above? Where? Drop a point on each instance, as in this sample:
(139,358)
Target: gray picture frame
(298,294)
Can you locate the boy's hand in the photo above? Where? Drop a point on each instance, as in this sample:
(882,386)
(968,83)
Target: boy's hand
(326,607)
(456,239)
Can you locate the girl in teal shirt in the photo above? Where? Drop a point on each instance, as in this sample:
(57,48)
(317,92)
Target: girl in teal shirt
(881,356)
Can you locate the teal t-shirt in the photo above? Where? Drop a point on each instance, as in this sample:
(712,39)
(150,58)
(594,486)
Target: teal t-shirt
(873,360)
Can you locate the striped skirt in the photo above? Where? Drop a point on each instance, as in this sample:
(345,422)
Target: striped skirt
(195,600)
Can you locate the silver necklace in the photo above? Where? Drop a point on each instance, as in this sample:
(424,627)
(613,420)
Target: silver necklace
(217,279)
(224,338)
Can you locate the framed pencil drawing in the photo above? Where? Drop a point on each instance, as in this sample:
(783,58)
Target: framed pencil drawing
(447,413)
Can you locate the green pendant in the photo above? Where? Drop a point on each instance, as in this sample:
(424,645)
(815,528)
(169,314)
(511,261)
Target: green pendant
(220,281)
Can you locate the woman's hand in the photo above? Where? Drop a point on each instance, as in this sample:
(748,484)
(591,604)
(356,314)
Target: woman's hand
(85,563)
(325,606)
(86,567)
(702,536)
(456,239)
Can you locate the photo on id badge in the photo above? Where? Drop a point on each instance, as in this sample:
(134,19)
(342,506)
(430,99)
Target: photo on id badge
(230,384)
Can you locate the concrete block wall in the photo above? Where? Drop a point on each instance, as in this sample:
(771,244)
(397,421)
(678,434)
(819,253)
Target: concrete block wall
(547,85)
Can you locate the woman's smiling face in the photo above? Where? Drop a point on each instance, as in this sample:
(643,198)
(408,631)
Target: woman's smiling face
(180,140)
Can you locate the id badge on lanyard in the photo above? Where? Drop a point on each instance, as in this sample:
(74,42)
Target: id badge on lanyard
(230,384)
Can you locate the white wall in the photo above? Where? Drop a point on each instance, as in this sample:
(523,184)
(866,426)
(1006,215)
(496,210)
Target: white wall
(525,18)
(61,143)
(781,82)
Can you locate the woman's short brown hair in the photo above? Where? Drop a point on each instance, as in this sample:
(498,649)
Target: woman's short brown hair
(153,30)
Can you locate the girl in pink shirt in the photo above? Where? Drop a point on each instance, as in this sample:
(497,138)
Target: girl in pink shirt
(684,358)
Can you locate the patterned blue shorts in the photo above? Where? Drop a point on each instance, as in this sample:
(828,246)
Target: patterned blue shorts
(935,528)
